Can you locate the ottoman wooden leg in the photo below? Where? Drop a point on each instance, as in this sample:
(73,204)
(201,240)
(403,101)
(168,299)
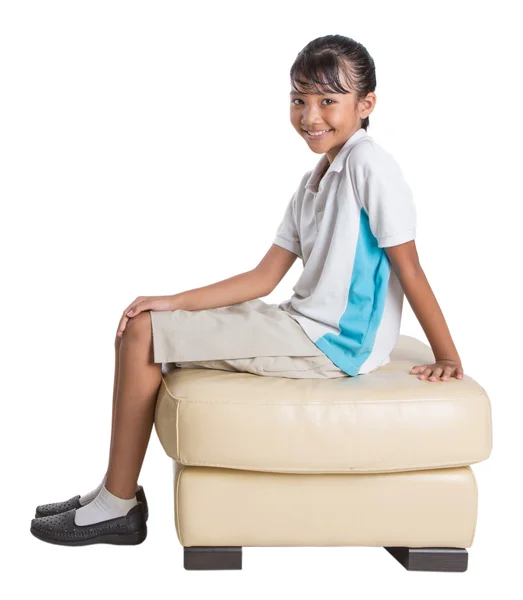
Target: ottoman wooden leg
(430,559)
(212,557)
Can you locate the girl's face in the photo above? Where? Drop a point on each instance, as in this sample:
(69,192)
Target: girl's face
(339,114)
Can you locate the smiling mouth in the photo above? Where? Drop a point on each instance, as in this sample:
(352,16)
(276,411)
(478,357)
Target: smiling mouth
(320,136)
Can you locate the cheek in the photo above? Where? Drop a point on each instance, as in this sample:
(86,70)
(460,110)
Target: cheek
(337,120)
(295,119)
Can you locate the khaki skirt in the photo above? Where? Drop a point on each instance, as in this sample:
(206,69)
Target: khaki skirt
(252,337)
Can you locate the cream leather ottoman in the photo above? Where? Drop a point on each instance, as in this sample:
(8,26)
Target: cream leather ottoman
(375,460)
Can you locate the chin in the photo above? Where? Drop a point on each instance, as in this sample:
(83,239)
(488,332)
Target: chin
(316,151)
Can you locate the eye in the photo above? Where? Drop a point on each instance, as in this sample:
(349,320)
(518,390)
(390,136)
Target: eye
(328,99)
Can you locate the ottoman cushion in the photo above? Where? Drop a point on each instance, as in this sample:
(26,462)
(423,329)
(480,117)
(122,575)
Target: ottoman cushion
(384,421)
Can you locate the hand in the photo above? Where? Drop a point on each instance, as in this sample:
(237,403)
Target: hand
(145,303)
(449,368)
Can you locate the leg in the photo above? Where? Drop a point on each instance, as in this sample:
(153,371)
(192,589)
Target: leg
(117,344)
(212,557)
(138,381)
(430,559)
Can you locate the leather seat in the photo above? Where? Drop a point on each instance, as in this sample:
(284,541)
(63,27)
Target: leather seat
(375,460)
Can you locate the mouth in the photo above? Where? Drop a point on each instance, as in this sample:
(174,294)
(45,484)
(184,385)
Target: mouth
(318,136)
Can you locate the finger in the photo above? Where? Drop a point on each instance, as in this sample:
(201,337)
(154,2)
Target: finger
(144,305)
(417,369)
(133,304)
(425,373)
(121,326)
(130,311)
(459,373)
(447,373)
(436,374)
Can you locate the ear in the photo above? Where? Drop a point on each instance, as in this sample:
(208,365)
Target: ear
(366,105)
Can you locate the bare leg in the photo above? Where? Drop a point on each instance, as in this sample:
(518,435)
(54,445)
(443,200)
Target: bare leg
(117,344)
(137,383)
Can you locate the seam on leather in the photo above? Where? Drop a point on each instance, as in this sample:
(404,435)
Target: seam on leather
(477,496)
(177,504)
(173,395)
(177,425)
(285,471)
(324,403)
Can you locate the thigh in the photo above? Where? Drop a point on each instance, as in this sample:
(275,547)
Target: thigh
(239,331)
(252,337)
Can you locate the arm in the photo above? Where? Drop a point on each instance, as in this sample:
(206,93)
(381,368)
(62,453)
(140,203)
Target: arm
(256,283)
(240,288)
(404,260)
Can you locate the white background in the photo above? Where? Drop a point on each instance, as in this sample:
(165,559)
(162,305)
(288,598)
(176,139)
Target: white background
(146,149)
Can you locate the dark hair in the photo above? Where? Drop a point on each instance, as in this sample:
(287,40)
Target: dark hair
(329,55)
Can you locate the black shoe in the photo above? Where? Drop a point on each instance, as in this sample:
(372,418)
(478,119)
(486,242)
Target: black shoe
(46,510)
(61,529)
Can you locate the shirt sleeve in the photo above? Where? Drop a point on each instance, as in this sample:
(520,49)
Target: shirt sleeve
(287,235)
(384,195)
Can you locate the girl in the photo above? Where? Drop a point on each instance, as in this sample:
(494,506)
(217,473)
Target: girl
(351,220)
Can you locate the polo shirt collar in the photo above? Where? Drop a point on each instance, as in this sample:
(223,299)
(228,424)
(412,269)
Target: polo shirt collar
(336,165)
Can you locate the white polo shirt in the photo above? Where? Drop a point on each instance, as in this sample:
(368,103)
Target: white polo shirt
(348,299)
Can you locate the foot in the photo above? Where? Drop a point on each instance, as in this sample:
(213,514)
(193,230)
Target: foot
(46,510)
(130,529)
(104,507)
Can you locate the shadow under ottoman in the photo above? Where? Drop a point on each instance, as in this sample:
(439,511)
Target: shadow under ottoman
(374,460)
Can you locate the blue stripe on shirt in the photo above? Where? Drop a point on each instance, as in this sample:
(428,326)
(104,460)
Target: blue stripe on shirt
(365,304)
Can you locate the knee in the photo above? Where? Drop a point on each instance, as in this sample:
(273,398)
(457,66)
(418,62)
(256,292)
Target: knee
(138,327)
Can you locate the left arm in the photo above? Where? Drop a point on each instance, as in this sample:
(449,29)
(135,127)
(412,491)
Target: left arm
(389,204)
(404,260)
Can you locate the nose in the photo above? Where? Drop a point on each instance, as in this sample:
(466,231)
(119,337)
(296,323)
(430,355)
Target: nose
(309,118)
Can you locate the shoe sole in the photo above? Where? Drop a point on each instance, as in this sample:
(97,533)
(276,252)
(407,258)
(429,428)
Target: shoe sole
(129,539)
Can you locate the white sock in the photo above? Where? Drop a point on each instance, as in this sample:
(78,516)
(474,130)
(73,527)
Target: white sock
(87,498)
(105,506)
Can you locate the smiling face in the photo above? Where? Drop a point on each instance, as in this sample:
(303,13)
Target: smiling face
(339,114)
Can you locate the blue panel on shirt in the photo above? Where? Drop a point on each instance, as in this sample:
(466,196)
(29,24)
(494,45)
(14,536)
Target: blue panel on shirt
(367,293)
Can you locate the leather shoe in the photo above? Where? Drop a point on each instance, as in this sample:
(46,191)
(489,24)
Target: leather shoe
(55,508)
(130,529)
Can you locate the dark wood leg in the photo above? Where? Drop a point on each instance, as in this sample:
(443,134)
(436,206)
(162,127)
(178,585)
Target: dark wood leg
(430,559)
(198,558)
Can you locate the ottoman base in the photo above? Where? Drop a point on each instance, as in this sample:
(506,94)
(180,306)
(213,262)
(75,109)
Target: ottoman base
(423,518)
(198,558)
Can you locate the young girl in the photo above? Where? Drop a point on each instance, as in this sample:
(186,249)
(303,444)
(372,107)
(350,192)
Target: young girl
(351,220)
